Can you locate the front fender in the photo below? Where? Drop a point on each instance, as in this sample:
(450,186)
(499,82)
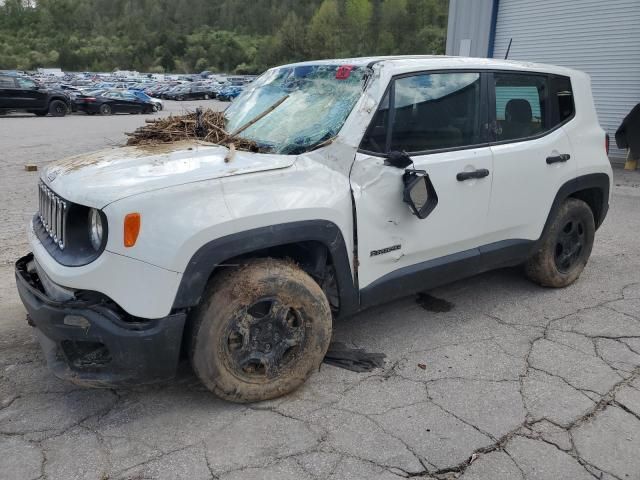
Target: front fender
(212,254)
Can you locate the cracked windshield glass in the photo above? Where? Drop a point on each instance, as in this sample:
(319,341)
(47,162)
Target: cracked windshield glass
(294,109)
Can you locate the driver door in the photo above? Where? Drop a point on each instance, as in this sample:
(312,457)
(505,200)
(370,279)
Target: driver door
(439,120)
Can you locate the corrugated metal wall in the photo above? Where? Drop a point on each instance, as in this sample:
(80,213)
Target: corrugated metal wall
(600,37)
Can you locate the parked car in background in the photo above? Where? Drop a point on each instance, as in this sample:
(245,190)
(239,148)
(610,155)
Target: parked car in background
(157,103)
(230,92)
(114,101)
(191,92)
(24,94)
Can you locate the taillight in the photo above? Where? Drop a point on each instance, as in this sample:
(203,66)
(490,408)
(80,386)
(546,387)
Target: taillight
(90,99)
(606,143)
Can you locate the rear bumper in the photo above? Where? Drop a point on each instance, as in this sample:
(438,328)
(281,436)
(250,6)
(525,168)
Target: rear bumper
(90,341)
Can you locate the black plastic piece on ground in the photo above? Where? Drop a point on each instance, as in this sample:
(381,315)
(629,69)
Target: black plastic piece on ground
(354,359)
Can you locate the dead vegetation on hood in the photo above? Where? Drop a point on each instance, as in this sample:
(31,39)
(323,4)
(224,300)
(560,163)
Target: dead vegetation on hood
(206,125)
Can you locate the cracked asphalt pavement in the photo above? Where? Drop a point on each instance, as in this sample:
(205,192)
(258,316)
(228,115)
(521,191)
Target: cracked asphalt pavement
(512,382)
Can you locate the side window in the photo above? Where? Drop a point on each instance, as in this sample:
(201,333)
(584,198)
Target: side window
(7,82)
(521,104)
(25,83)
(428,112)
(562,99)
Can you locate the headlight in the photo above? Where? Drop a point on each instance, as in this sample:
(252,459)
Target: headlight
(95,229)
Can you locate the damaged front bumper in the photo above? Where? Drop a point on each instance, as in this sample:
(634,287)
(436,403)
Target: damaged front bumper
(87,339)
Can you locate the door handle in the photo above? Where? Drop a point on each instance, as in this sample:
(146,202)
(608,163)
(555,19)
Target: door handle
(481,173)
(563,157)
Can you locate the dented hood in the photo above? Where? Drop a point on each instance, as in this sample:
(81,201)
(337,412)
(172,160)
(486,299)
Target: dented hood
(100,178)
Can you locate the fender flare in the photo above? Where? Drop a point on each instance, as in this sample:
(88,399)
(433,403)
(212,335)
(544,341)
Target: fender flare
(601,181)
(207,258)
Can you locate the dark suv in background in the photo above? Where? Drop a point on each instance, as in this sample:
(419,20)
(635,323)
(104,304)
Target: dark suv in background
(21,93)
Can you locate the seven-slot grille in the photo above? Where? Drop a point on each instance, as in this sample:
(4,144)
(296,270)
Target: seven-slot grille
(53,214)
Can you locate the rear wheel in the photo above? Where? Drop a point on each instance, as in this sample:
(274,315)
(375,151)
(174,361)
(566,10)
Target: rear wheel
(260,331)
(565,247)
(105,109)
(57,108)
(206,96)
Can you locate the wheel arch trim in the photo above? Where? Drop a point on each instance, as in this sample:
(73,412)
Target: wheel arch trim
(210,255)
(598,181)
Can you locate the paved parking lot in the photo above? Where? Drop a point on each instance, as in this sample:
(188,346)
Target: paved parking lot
(508,381)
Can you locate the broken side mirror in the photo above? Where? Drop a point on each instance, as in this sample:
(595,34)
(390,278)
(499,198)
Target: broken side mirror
(419,193)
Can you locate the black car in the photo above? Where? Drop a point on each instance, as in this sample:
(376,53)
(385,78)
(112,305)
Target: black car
(109,102)
(191,92)
(22,93)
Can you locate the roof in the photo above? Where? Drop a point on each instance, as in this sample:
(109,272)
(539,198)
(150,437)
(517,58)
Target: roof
(435,62)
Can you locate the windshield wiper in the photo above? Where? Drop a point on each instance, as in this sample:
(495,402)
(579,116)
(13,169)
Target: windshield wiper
(261,116)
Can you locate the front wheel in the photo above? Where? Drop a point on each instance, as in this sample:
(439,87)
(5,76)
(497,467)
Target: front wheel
(260,331)
(565,247)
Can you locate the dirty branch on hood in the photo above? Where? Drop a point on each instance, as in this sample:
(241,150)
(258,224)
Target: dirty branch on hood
(207,125)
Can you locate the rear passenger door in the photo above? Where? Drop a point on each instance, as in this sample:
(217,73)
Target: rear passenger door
(531,152)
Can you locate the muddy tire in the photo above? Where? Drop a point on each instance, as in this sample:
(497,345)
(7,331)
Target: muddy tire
(260,331)
(57,108)
(565,247)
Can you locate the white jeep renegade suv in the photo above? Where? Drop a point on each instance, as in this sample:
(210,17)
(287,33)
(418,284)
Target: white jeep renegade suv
(382,177)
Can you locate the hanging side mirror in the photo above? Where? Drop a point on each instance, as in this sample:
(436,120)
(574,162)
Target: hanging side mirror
(419,193)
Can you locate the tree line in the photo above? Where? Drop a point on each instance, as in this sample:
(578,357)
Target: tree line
(241,36)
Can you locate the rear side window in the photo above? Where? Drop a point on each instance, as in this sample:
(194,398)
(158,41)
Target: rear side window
(6,82)
(521,105)
(428,112)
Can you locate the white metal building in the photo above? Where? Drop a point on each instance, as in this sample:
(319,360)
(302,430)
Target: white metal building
(600,37)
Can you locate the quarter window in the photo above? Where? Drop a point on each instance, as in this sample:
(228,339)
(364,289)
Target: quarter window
(521,101)
(428,112)
(562,98)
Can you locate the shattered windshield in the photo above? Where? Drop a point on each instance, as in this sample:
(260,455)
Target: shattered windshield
(292,109)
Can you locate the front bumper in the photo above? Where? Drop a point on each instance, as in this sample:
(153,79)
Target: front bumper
(90,341)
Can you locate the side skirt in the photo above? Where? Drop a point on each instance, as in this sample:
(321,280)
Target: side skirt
(440,271)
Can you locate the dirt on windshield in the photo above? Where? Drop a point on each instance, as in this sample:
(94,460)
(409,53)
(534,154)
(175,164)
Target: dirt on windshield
(207,125)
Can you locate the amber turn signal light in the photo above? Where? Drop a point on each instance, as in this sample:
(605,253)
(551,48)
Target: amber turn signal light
(131,229)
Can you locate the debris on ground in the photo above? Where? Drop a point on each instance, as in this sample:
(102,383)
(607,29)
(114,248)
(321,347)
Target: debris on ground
(207,125)
(422,366)
(354,359)
(433,304)
(29,167)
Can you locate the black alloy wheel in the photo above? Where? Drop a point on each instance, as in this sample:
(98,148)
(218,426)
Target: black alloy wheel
(263,340)
(569,244)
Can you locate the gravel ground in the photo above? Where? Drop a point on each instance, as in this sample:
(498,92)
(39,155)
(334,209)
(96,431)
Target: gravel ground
(508,381)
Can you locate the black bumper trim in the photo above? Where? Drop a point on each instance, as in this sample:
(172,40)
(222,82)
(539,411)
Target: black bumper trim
(138,352)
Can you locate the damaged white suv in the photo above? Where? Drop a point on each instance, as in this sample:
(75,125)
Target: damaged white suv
(373,178)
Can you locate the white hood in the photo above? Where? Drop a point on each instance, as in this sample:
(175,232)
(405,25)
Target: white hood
(100,178)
